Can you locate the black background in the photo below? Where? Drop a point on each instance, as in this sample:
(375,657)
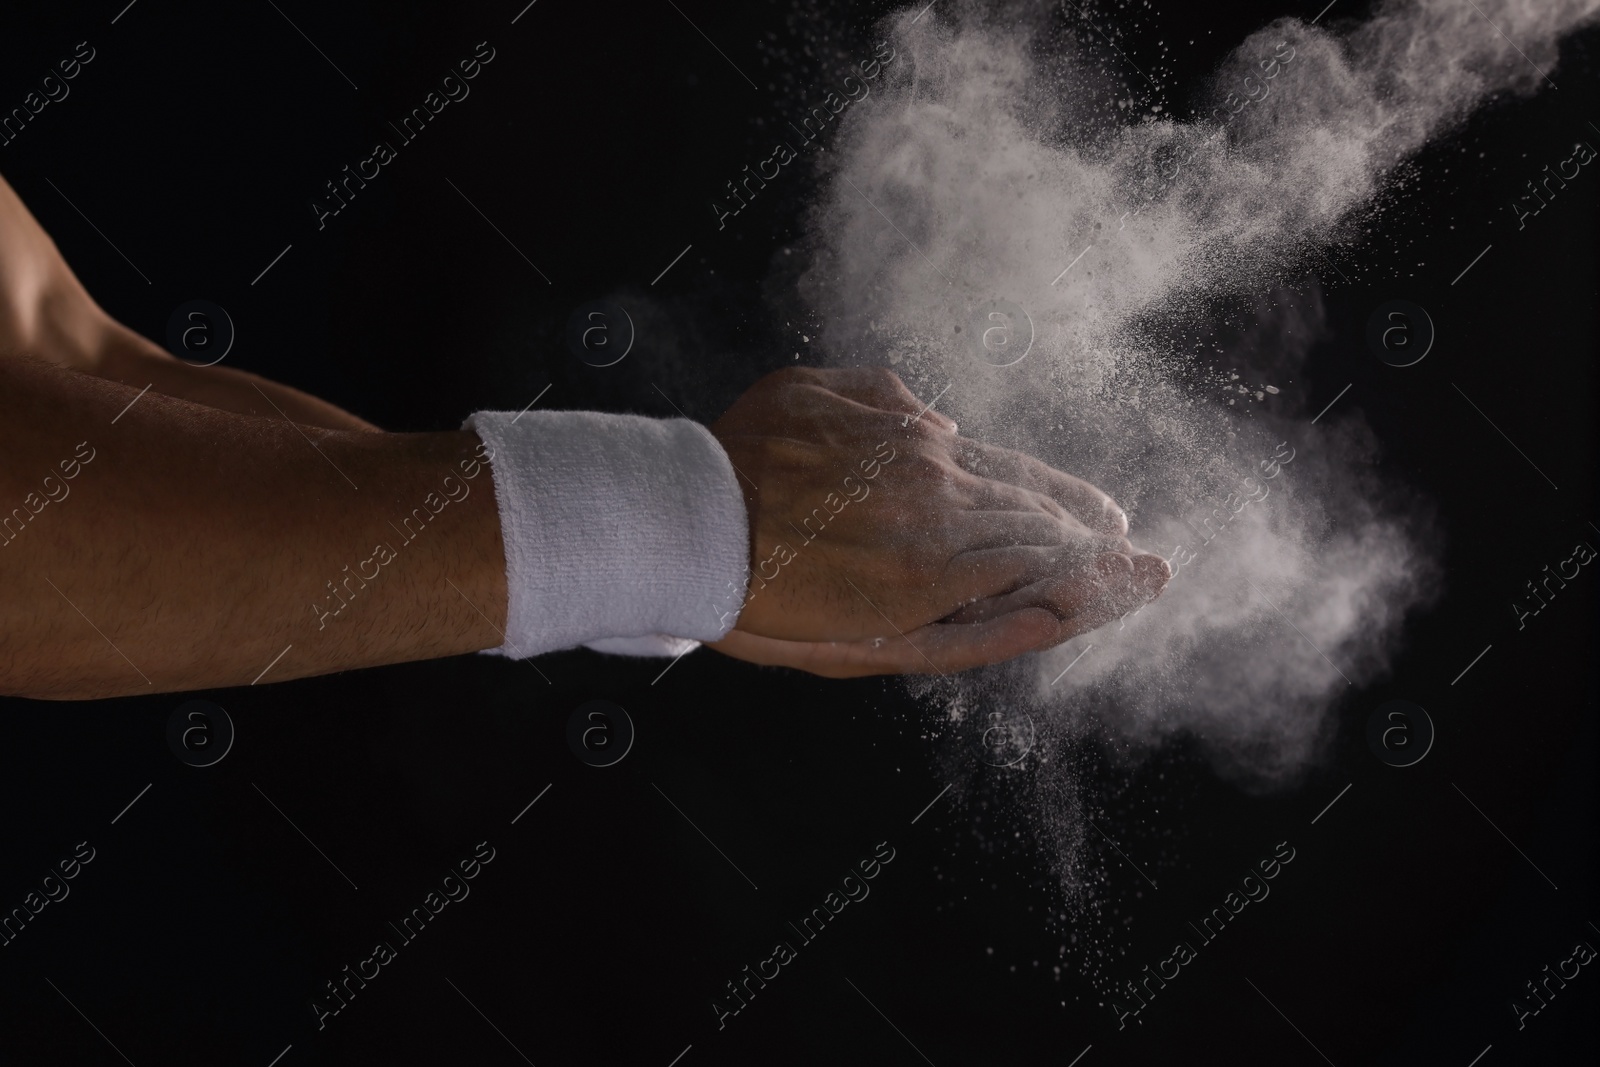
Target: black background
(606,923)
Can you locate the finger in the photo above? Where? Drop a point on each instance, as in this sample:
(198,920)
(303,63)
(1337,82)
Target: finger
(1066,592)
(981,531)
(982,493)
(882,389)
(955,647)
(940,648)
(987,575)
(1099,613)
(1087,503)
(1122,585)
(1083,597)
(987,494)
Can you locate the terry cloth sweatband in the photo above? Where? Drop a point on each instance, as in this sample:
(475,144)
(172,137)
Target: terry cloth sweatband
(622,533)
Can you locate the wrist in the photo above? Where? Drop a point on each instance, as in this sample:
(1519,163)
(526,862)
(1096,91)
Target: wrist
(617,529)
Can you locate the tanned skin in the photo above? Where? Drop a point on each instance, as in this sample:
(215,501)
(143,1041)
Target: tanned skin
(218,528)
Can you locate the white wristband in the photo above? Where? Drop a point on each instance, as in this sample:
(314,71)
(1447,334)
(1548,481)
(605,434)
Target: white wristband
(624,533)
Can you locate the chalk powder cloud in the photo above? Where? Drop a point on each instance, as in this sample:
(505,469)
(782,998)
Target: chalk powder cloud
(988,152)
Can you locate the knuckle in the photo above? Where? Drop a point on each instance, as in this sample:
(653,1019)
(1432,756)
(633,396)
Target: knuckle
(795,375)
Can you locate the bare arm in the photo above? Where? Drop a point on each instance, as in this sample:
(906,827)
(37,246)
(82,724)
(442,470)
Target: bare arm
(194,536)
(190,545)
(46,312)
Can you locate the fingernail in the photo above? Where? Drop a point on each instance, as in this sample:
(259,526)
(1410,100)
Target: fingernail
(1116,518)
(1152,573)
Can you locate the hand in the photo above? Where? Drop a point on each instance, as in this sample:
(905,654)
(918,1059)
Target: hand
(884,542)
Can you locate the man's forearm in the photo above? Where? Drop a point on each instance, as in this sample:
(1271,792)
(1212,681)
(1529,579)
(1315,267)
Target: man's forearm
(172,546)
